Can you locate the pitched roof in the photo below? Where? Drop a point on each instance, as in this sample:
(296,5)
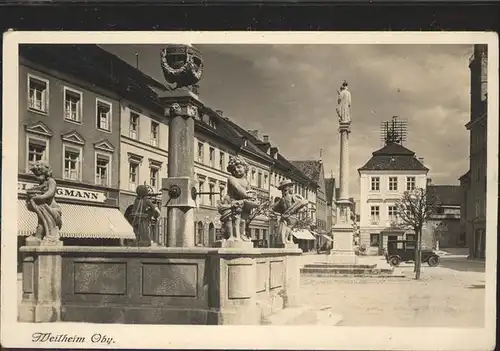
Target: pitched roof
(97,66)
(311,168)
(251,140)
(393,157)
(446,194)
(329,189)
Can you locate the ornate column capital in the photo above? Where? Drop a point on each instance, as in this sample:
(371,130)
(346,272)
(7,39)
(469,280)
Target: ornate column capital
(345,127)
(182,103)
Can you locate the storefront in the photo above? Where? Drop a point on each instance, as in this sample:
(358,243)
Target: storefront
(90,216)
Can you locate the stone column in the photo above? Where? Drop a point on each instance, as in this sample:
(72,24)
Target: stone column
(344,131)
(182,109)
(343,231)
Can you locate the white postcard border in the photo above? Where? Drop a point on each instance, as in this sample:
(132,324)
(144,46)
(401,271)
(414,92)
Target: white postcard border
(16,334)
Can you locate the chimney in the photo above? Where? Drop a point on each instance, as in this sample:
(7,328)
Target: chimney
(255,133)
(265,138)
(421,159)
(220,112)
(429,181)
(320,155)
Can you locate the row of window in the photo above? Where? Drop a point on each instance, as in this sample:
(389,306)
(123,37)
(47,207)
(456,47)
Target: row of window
(133,175)
(214,195)
(133,129)
(375,213)
(38,101)
(38,150)
(211,157)
(392,184)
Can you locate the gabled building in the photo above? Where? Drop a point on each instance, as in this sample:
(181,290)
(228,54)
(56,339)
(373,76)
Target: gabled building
(445,222)
(390,172)
(314,170)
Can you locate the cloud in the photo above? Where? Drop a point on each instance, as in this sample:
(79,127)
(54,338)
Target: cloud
(289,93)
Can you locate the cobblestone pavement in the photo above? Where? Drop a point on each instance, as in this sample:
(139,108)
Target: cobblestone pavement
(450,295)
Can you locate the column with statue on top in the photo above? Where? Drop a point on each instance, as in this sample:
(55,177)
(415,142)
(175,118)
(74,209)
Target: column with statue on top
(343,230)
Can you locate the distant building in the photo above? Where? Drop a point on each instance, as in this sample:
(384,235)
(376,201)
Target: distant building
(390,172)
(281,170)
(314,170)
(474,181)
(445,222)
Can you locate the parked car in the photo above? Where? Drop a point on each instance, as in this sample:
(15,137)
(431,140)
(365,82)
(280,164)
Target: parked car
(404,251)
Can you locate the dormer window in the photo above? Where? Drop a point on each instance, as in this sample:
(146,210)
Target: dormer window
(211,123)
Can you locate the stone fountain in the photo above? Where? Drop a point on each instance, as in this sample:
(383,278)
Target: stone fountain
(176,284)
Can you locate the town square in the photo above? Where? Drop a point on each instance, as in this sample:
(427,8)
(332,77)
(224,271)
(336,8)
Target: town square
(339,185)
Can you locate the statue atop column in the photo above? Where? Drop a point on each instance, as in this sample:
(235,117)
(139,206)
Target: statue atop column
(143,212)
(344,104)
(288,206)
(239,202)
(41,200)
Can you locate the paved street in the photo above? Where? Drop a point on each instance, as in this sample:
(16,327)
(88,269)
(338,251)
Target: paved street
(450,295)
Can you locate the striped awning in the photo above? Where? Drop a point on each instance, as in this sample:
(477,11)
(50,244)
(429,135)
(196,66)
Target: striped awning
(303,234)
(80,222)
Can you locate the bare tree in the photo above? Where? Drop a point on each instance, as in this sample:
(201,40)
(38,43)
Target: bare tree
(413,210)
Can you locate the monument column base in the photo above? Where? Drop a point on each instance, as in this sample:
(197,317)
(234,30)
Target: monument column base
(343,248)
(342,257)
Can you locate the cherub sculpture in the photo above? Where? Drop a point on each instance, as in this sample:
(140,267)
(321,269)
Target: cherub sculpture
(239,201)
(144,212)
(288,206)
(40,199)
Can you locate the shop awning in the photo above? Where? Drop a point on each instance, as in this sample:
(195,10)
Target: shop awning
(80,222)
(303,234)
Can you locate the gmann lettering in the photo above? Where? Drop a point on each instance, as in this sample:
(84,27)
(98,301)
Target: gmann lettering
(68,193)
(77,193)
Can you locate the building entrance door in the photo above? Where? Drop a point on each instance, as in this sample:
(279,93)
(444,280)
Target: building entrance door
(391,242)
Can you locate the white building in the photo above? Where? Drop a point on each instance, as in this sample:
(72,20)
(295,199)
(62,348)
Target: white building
(390,172)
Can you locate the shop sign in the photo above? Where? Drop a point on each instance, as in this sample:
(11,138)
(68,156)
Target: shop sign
(68,193)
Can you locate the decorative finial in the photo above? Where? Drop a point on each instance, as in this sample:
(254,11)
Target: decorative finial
(182,65)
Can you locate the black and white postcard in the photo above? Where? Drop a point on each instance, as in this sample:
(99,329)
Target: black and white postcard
(249,190)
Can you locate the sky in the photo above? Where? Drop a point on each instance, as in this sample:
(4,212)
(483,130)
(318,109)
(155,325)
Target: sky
(289,92)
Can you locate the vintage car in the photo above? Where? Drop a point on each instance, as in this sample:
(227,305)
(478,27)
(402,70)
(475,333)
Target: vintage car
(404,251)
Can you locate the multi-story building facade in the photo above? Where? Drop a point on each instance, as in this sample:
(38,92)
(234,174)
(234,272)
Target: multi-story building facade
(445,221)
(282,169)
(69,117)
(390,172)
(144,160)
(475,184)
(314,170)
